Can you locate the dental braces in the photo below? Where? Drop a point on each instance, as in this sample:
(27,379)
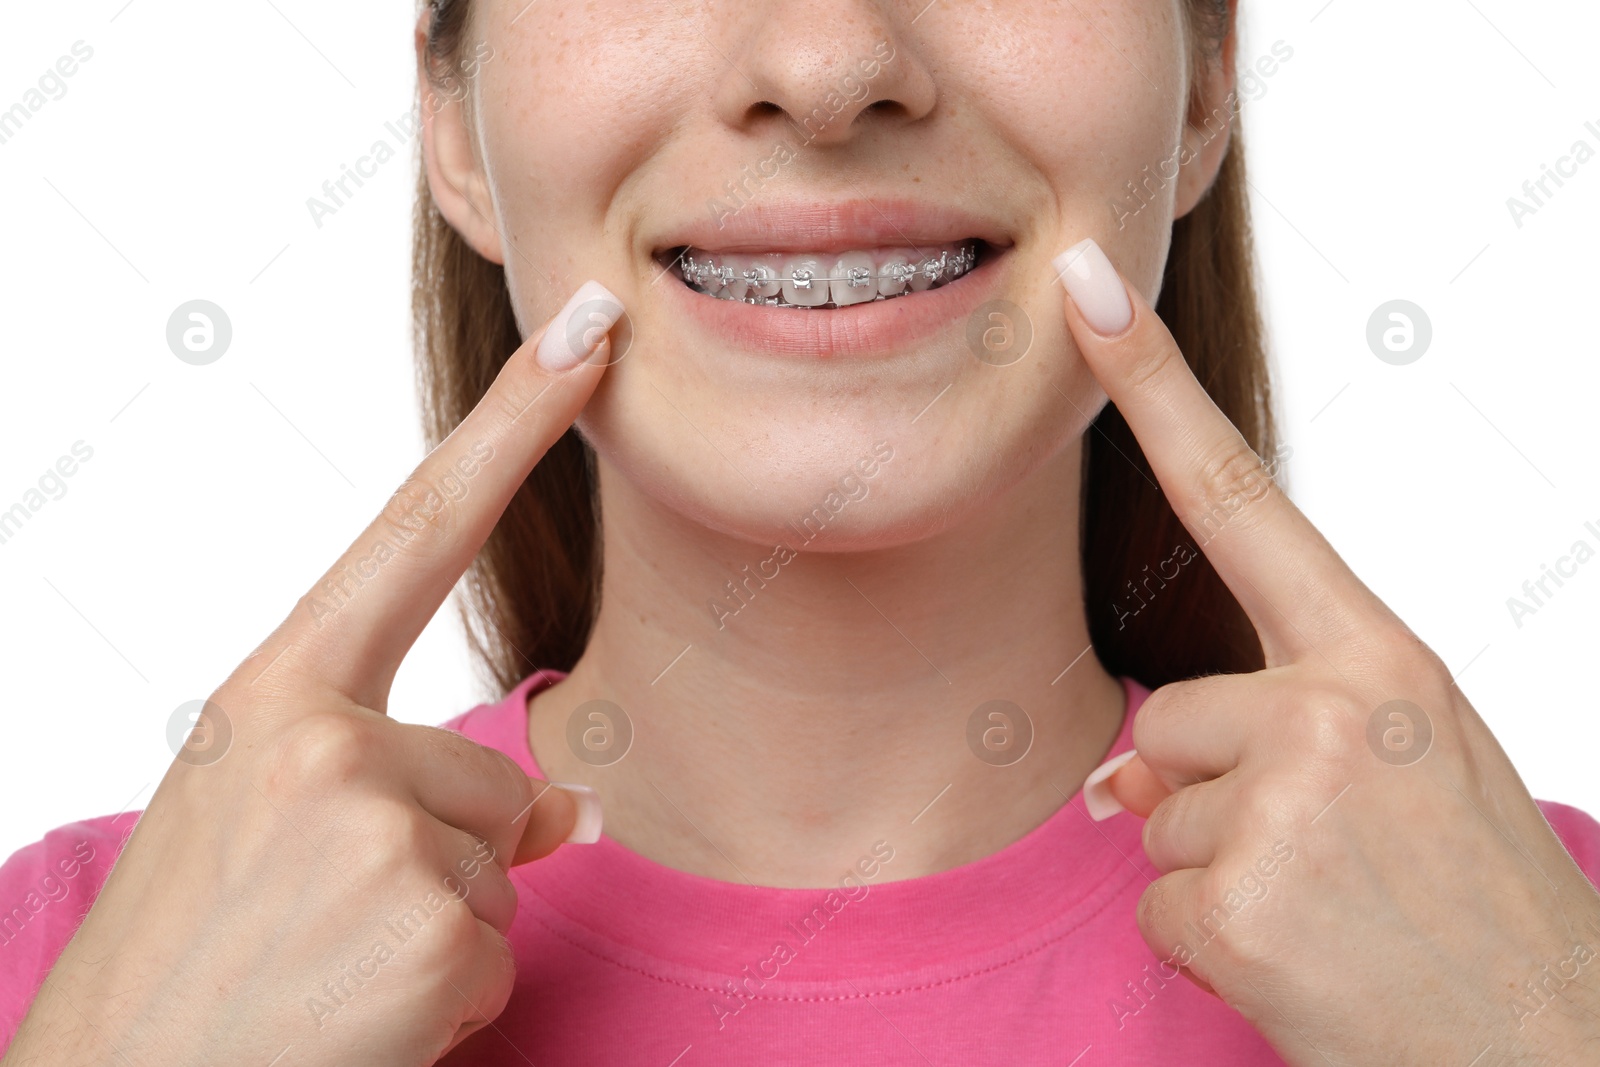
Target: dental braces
(698,273)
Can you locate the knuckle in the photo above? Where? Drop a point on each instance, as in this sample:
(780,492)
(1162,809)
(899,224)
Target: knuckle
(518,787)
(417,507)
(511,395)
(1146,365)
(423,917)
(494,956)
(1259,802)
(481,761)
(316,752)
(511,785)
(1152,715)
(398,836)
(461,935)
(1216,916)
(1230,478)
(1150,724)
(1158,908)
(477,867)
(449,941)
(1329,726)
(477,877)
(500,950)
(1162,716)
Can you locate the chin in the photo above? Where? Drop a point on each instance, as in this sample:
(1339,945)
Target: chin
(817,483)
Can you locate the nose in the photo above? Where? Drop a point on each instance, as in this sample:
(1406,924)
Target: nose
(823,71)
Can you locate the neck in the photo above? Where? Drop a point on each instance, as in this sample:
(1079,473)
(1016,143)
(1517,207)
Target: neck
(840,701)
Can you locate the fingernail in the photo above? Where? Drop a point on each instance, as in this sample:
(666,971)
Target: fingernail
(579,327)
(1097,791)
(1095,287)
(586,828)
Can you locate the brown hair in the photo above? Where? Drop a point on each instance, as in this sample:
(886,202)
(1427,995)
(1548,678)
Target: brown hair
(533,592)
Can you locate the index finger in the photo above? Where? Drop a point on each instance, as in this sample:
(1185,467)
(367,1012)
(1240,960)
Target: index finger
(353,628)
(1296,590)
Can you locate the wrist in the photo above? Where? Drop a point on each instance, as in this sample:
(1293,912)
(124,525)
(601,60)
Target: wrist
(1554,1011)
(85,1012)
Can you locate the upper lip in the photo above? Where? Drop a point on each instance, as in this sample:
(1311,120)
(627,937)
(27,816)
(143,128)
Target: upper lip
(829,226)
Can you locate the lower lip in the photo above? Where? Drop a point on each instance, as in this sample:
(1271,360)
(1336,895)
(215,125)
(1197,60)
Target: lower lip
(875,329)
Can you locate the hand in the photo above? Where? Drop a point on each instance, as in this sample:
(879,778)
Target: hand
(1349,858)
(335,882)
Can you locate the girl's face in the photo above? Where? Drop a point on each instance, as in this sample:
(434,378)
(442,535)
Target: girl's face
(601,139)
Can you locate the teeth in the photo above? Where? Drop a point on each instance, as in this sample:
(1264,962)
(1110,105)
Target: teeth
(736,286)
(894,276)
(809,281)
(763,280)
(805,281)
(853,279)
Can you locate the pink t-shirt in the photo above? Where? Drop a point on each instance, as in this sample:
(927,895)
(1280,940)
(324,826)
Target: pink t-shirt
(1028,956)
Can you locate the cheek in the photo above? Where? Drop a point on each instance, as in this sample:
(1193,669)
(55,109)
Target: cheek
(576,100)
(1093,95)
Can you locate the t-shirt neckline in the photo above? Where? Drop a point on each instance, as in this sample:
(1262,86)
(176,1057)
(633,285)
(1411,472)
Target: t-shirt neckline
(680,927)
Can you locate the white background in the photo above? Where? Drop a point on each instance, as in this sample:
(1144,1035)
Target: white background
(178,164)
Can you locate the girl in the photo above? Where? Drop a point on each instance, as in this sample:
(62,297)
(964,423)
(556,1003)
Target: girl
(853,423)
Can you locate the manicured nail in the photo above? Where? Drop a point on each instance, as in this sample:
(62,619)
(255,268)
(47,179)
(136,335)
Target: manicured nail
(586,828)
(1097,791)
(578,328)
(1095,287)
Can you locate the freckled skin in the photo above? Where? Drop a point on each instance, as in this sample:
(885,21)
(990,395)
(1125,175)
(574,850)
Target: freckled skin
(842,687)
(598,123)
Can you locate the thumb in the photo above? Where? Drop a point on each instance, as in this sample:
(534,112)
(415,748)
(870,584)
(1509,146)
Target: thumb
(561,813)
(1123,783)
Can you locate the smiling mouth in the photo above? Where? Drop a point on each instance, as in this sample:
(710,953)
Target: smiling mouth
(824,281)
